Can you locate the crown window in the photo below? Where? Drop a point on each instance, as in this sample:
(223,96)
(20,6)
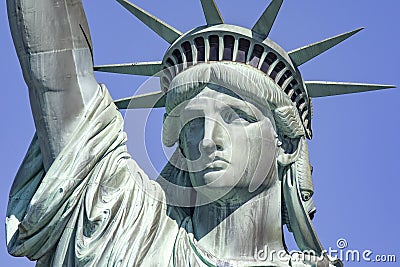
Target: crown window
(256,55)
(229,43)
(214,47)
(187,50)
(243,50)
(199,42)
(269,59)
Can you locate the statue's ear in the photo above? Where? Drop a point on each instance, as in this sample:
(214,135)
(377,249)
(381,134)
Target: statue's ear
(290,132)
(171,129)
(289,151)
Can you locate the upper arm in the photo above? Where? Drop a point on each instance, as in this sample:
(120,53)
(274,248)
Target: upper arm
(53,44)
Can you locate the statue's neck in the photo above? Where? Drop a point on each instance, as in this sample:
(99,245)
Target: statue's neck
(238,233)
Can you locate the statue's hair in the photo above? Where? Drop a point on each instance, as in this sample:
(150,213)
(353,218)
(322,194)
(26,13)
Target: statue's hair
(251,85)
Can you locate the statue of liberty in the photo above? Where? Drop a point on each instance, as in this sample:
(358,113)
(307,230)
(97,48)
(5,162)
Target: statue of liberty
(238,111)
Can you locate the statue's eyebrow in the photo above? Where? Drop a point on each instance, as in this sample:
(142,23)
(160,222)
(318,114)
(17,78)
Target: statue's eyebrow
(240,106)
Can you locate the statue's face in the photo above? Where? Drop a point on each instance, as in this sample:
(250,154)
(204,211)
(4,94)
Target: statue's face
(230,144)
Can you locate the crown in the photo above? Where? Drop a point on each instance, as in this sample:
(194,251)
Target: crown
(217,41)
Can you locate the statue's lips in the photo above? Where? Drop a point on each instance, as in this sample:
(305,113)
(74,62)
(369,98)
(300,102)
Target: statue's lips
(217,164)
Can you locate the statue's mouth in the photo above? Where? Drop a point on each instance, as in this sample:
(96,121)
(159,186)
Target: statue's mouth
(220,159)
(218,164)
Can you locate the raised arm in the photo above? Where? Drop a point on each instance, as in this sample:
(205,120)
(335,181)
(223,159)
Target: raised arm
(52,41)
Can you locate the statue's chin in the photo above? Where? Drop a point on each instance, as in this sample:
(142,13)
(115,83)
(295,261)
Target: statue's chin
(222,185)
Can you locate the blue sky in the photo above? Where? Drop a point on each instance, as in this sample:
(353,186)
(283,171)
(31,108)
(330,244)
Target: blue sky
(356,137)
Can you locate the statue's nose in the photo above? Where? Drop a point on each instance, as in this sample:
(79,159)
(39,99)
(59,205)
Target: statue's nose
(213,139)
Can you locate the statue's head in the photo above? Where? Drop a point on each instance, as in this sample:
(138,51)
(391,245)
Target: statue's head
(237,108)
(232,124)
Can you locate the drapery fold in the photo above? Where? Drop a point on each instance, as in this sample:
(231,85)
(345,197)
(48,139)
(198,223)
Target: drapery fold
(94,206)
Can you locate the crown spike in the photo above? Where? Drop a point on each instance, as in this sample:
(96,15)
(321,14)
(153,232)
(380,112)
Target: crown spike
(165,31)
(140,68)
(321,89)
(306,53)
(264,24)
(211,12)
(150,100)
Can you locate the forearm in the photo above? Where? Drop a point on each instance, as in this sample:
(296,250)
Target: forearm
(52,42)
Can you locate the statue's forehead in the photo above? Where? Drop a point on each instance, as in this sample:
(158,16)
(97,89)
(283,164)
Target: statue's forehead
(214,101)
(213,96)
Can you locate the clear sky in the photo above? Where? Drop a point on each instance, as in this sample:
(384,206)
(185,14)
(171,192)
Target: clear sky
(356,137)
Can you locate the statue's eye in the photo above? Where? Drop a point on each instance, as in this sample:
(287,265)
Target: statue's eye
(235,115)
